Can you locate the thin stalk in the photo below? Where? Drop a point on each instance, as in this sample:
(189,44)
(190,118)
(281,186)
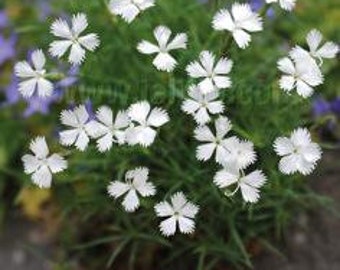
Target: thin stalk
(264,9)
(228,41)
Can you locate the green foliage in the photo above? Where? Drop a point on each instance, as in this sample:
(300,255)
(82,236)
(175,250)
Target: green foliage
(95,228)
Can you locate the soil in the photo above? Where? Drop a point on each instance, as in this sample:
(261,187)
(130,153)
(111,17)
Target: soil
(22,247)
(312,242)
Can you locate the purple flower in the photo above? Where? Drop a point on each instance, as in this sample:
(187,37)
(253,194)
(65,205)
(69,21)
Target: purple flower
(256,5)
(44,9)
(70,79)
(12,94)
(89,109)
(7,48)
(335,106)
(36,104)
(321,107)
(3,19)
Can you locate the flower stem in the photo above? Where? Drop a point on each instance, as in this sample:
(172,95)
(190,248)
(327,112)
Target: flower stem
(227,44)
(263,10)
(55,76)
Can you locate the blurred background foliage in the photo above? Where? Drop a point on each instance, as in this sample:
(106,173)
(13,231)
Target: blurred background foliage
(90,227)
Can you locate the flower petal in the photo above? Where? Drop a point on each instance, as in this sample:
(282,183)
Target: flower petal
(28,87)
(105,143)
(147,47)
(139,112)
(178,200)
(90,41)
(117,189)
(24,70)
(56,163)
(59,47)
(222,126)
(158,117)
(186,225)
(164,209)
(162,35)
(314,38)
(164,62)
(131,201)
(79,23)
(44,88)
(283,146)
(39,147)
(223,21)
(168,226)
(179,42)
(222,81)
(223,66)
(225,178)
(242,38)
(42,177)
(68,137)
(77,54)
(82,141)
(249,193)
(189,210)
(31,163)
(205,151)
(204,134)
(60,28)
(38,59)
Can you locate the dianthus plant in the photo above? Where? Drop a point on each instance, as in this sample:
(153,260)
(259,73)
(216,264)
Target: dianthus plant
(218,143)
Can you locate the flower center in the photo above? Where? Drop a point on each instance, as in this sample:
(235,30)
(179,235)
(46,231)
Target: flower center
(297,150)
(218,140)
(204,104)
(40,73)
(163,49)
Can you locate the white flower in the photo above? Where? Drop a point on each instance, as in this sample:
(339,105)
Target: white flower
(71,39)
(241,154)
(109,130)
(249,184)
(215,76)
(33,77)
(41,165)
(200,105)
(180,211)
(213,142)
(144,121)
(314,38)
(129,9)
(284,4)
(302,74)
(80,127)
(241,21)
(135,183)
(163,61)
(299,153)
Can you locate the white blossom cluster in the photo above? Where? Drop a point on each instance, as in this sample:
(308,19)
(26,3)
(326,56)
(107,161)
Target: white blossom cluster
(34,77)
(139,124)
(234,155)
(136,125)
(300,69)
